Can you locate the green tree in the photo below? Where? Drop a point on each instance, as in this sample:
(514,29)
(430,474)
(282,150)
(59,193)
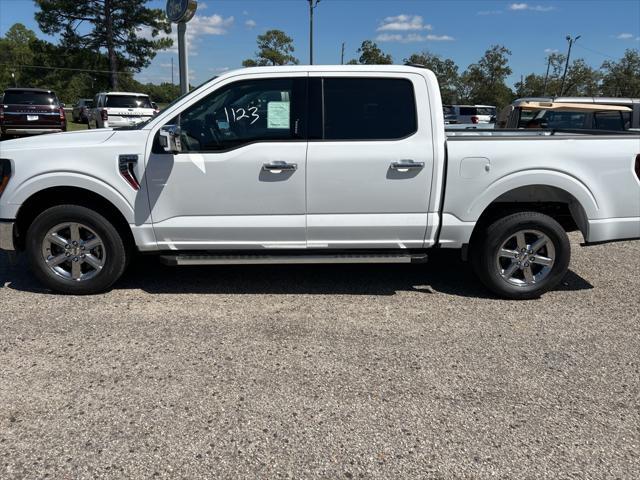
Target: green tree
(535,85)
(112,25)
(445,70)
(582,80)
(370,54)
(16,49)
(274,48)
(622,78)
(485,82)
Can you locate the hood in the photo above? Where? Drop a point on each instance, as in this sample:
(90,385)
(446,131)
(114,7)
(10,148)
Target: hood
(54,140)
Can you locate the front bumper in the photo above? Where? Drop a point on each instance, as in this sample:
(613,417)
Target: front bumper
(6,235)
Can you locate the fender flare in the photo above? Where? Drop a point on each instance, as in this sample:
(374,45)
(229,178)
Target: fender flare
(45,181)
(527,178)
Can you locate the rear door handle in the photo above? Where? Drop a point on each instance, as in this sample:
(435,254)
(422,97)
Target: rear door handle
(406,165)
(279,167)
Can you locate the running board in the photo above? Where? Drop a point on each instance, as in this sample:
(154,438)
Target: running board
(179,260)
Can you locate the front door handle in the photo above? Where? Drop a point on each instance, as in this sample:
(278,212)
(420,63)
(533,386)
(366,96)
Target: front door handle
(406,165)
(279,167)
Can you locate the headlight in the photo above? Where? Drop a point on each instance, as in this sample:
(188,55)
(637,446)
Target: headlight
(5,173)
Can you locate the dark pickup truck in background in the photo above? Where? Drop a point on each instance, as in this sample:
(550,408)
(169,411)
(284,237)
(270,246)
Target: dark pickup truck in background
(30,111)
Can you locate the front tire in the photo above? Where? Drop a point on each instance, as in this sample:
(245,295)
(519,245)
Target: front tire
(522,255)
(74,250)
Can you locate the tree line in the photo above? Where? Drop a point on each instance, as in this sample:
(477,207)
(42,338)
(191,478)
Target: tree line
(101,48)
(485,81)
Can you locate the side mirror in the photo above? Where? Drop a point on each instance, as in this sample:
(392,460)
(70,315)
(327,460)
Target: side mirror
(170,138)
(62,105)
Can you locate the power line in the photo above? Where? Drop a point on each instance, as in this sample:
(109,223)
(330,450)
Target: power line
(61,68)
(595,51)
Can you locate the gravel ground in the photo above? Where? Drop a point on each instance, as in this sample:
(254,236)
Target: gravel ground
(323,372)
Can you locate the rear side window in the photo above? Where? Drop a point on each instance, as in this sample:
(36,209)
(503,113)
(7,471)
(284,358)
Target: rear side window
(608,121)
(468,111)
(128,101)
(369,109)
(30,98)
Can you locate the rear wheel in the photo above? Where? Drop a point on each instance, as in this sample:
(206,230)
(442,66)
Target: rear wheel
(75,250)
(521,256)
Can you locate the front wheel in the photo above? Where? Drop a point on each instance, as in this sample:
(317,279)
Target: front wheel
(75,250)
(522,255)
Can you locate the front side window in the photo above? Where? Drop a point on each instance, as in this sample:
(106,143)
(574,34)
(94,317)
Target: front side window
(242,113)
(369,109)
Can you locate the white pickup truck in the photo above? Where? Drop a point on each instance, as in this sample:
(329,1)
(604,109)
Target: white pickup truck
(321,164)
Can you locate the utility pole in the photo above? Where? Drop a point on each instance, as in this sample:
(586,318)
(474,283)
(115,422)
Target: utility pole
(342,55)
(172,70)
(312,6)
(571,41)
(546,77)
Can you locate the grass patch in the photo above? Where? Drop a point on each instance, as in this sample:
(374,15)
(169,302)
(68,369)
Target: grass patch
(72,126)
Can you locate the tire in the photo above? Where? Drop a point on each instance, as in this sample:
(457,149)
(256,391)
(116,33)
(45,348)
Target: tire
(498,260)
(99,252)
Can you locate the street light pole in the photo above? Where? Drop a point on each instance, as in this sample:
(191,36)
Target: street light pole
(312,6)
(546,77)
(571,41)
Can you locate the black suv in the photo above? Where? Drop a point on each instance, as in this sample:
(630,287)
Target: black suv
(30,111)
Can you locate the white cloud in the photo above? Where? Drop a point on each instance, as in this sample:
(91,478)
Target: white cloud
(625,36)
(490,12)
(250,23)
(551,50)
(526,6)
(212,25)
(403,23)
(412,38)
(166,65)
(202,5)
(244,12)
(200,25)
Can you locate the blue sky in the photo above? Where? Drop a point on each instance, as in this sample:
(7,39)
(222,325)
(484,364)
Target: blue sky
(223,33)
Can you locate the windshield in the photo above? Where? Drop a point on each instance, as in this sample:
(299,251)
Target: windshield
(30,98)
(128,101)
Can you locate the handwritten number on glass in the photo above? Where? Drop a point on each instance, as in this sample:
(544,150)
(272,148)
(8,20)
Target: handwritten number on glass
(240,113)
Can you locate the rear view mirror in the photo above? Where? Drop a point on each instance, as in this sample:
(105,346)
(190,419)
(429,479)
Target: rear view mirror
(170,138)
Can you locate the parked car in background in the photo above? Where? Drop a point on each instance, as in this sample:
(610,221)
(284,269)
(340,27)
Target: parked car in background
(578,113)
(30,111)
(81,110)
(450,117)
(120,109)
(472,114)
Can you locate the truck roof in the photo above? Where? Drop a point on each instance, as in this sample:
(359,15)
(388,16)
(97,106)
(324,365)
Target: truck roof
(596,100)
(124,93)
(33,90)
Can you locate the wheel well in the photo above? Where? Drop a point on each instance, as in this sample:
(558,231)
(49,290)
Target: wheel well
(554,202)
(50,197)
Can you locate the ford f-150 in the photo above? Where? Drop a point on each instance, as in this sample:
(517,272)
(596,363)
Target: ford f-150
(315,164)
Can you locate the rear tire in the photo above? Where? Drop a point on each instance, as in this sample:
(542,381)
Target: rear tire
(521,256)
(74,250)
